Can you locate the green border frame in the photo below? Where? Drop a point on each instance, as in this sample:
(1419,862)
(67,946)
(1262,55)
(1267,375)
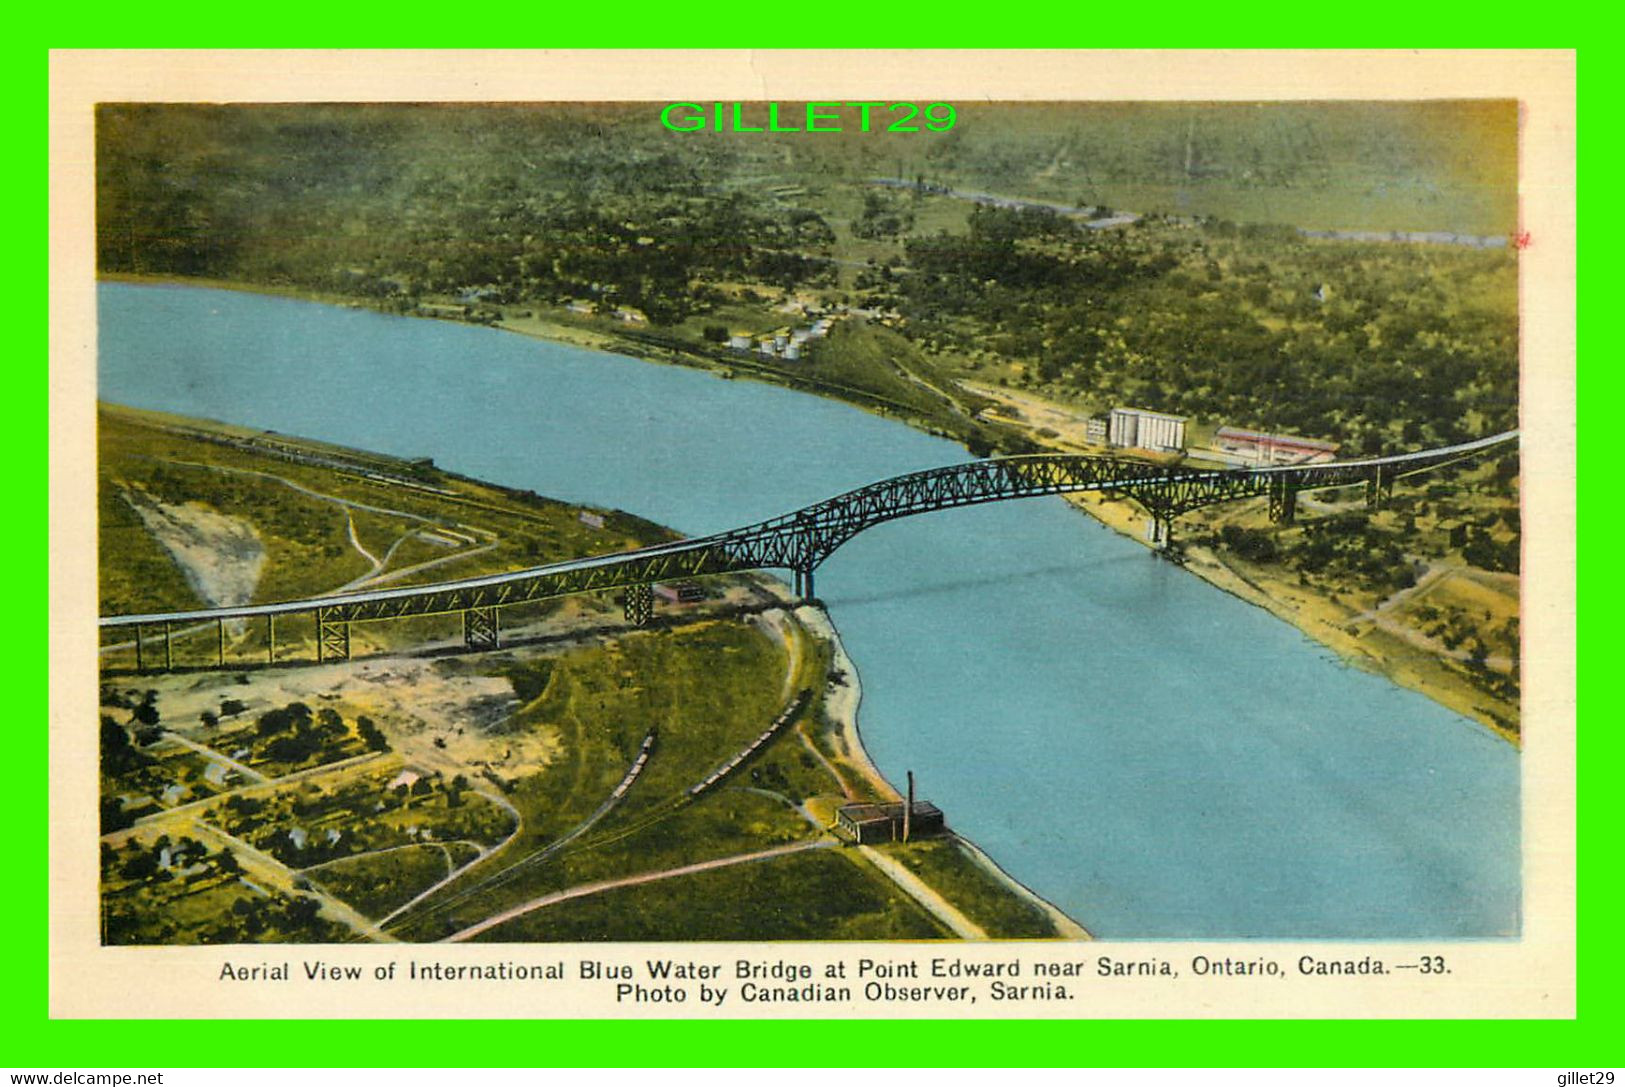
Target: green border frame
(31,1039)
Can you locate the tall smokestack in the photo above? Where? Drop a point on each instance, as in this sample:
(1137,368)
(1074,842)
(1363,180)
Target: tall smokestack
(908,808)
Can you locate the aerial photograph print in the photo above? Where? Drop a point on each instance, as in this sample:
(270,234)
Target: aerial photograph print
(570,522)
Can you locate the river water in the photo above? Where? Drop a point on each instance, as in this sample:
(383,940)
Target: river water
(1154,756)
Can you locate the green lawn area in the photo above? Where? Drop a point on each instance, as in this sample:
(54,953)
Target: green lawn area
(866,357)
(948,867)
(378,882)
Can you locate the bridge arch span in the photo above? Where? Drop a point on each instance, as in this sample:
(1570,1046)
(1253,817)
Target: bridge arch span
(801,540)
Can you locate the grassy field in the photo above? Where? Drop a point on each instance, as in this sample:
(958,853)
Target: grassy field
(1360,165)
(135,573)
(877,360)
(377,883)
(196,514)
(802,896)
(947,866)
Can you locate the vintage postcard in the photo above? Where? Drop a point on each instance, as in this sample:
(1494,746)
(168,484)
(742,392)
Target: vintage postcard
(734,534)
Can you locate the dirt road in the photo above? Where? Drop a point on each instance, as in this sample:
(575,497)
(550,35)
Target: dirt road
(587,889)
(928,897)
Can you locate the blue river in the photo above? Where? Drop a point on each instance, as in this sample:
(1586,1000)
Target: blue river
(1154,756)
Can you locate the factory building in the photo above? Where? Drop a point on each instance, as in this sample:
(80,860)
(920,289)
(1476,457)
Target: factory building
(1256,448)
(867,824)
(1136,428)
(1096,430)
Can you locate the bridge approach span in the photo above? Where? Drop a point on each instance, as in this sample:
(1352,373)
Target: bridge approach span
(801,540)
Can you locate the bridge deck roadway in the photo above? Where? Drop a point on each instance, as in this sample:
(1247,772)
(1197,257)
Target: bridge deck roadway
(804,538)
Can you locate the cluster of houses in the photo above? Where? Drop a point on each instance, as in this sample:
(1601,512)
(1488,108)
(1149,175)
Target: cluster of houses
(216,774)
(625,314)
(473,314)
(786,344)
(341,823)
(190,865)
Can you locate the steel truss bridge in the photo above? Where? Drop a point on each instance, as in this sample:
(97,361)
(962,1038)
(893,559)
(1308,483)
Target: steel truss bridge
(802,540)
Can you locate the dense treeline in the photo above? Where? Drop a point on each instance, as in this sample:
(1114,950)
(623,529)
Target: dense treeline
(396,204)
(1381,346)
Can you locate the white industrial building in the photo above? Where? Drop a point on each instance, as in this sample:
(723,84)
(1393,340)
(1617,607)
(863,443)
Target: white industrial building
(1137,428)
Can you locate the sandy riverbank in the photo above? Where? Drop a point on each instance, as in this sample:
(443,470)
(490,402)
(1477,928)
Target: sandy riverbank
(1373,650)
(1407,661)
(841,701)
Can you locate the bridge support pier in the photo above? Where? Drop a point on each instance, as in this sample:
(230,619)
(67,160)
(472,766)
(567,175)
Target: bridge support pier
(332,637)
(140,649)
(804,583)
(482,629)
(640,604)
(1378,489)
(270,639)
(220,643)
(1160,532)
(1283,503)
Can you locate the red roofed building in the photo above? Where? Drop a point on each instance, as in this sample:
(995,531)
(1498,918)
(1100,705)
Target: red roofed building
(1273,448)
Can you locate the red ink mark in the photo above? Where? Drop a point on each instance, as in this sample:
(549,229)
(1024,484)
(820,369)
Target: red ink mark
(1521,239)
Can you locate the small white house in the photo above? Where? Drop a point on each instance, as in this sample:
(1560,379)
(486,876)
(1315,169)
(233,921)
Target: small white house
(407,778)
